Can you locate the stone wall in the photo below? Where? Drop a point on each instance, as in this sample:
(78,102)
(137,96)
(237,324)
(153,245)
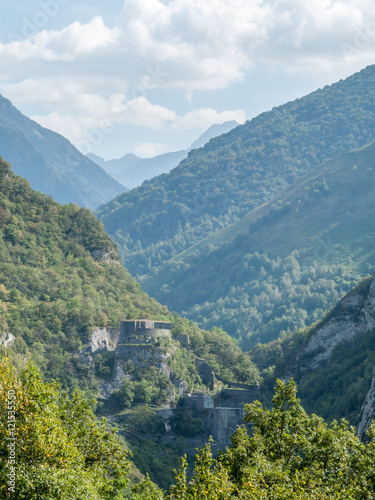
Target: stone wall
(220,423)
(198,402)
(144,328)
(133,351)
(235,398)
(184,340)
(206,373)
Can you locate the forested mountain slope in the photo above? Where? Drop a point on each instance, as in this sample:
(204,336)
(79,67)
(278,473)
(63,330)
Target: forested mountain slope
(51,163)
(61,277)
(240,171)
(333,362)
(281,266)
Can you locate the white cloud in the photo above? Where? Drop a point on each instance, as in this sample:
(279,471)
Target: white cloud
(150,149)
(310,36)
(197,45)
(95,112)
(141,112)
(63,45)
(89,73)
(106,114)
(204,118)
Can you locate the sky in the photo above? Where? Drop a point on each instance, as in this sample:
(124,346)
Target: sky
(150,76)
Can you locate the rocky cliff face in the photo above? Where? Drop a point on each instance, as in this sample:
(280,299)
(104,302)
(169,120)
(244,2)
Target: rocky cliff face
(104,339)
(345,328)
(142,351)
(354,315)
(368,411)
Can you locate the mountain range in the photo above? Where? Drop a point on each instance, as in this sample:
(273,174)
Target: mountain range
(51,163)
(282,265)
(333,361)
(260,232)
(61,278)
(160,225)
(131,170)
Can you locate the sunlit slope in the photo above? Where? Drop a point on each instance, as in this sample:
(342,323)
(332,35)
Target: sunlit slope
(264,273)
(239,171)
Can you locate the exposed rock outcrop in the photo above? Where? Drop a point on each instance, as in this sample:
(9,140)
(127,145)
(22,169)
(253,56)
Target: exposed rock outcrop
(368,411)
(139,341)
(6,339)
(354,315)
(107,257)
(104,339)
(107,388)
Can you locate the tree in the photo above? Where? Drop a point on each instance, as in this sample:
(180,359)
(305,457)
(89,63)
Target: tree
(289,455)
(210,479)
(61,450)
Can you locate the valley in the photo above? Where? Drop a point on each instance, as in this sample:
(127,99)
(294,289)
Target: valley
(187,311)
(285,263)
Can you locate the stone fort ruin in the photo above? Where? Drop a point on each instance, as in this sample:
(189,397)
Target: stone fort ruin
(140,335)
(141,341)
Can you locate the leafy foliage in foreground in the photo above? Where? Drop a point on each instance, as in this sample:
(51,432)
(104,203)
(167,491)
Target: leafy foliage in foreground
(61,450)
(289,455)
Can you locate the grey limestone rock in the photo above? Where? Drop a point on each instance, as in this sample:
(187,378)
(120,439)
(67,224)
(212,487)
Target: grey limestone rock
(368,411)
(355,316)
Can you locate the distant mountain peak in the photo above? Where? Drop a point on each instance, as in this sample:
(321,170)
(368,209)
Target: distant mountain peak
(214,131)
(131,170)
(50,162)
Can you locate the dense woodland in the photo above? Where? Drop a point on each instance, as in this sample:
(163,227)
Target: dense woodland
(67,454)
(239,171)
(282,266)
(61,277)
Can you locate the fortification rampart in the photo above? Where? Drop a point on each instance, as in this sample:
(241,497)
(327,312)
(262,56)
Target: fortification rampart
(144,328)
(138,337)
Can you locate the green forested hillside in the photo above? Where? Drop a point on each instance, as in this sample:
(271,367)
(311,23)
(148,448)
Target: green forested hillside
(281,266)
(332,361)
(61,451)
(61,276)
(51,163)
(66,454)
(239,171)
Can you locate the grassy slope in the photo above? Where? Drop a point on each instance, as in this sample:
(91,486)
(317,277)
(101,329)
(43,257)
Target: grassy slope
(239,171)
(319,233)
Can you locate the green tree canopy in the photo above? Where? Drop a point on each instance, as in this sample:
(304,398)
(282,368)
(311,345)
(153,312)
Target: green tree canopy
(61,450)
(288,455)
